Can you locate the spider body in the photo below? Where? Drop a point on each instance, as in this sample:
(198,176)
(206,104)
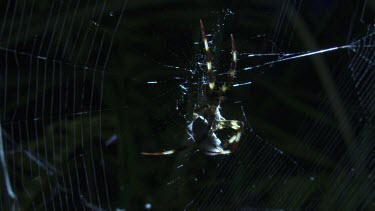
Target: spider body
(207,118)
(201,132)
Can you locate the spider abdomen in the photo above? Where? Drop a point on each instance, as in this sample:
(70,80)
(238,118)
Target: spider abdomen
(200,131)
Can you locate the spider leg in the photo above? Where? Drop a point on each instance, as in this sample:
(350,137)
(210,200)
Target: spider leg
(232,71)
(168,152)
(225,152)
(210,73)
(233,124)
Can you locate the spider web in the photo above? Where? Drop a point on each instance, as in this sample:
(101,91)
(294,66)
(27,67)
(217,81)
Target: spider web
(88,85)
(54,55)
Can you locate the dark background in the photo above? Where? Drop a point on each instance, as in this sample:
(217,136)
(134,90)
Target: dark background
(76,96)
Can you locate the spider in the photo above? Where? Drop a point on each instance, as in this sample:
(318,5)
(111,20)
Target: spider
(207,118)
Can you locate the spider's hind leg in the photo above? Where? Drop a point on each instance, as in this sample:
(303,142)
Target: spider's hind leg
(235,125)
(168,152)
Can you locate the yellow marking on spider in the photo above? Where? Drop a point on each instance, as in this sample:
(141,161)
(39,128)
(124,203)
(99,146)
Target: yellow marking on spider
(169,152)
(209,66)
(206,44)
(238,137)
(234,56)
(234,125)
(232,139)
(232,73)
(218,126)
(211,85)
(224,88)
(225,152)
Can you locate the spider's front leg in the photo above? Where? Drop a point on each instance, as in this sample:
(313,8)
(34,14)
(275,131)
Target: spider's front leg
(233,124)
